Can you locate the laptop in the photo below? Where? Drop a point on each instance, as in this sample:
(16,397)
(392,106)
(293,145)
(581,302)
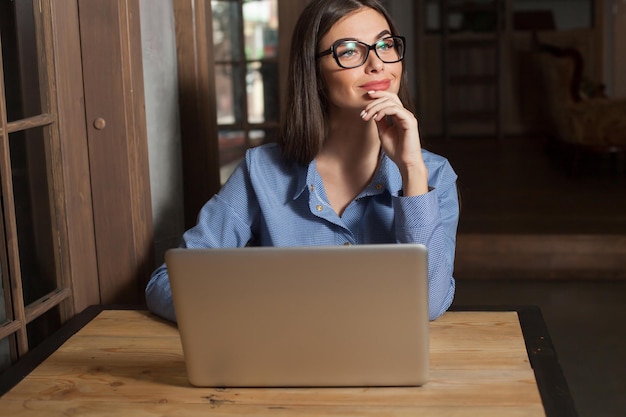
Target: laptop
(340,316)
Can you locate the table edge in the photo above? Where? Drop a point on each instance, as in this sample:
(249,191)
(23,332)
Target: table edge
(553,388)
(34,357)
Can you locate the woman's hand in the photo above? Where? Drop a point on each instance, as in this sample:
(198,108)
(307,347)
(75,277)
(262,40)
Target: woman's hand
(399,137)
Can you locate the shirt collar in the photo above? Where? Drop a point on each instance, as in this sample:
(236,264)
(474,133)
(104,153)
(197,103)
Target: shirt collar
(303,176)
(386,178)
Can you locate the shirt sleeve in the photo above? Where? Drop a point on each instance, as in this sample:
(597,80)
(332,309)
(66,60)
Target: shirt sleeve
(226,220)
(432,219)
(159,296)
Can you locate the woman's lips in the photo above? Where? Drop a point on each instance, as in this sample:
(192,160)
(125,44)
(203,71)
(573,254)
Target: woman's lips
(377,85)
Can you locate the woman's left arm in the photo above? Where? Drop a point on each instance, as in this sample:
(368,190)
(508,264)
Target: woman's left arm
(432,219)
(428,212)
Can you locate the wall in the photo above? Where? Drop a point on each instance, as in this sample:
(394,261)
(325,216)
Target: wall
(162,119)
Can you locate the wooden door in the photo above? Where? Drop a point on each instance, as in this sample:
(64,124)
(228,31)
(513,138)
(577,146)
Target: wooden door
(118,155)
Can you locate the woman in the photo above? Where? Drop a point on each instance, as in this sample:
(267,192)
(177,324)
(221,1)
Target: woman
(349,167)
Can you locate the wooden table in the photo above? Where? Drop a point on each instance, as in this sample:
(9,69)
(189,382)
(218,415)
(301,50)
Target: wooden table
(130,363)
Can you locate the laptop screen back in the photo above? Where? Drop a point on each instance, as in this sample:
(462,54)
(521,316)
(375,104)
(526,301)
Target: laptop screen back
(314,316)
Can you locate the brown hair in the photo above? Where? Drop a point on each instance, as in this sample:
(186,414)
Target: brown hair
(303,126)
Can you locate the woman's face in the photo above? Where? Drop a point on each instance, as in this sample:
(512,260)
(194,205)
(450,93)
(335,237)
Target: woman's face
(347,88)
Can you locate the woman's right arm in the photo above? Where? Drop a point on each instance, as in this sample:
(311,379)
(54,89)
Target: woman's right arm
(159,295)
(226,220)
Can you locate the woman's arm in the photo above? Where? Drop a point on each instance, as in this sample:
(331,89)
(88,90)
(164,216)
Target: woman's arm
(224,221)
(432,219)
(159,294)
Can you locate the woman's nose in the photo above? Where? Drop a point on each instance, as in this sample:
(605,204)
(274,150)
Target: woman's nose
(373,62)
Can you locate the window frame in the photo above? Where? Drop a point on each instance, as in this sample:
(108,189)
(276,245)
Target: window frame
(19,314)
(241,105)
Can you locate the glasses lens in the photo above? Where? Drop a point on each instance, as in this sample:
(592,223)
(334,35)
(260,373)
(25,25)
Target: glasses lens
(390,49)
(350,53)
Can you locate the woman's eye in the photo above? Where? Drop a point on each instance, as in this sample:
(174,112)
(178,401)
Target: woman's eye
(348,50)
(384,45)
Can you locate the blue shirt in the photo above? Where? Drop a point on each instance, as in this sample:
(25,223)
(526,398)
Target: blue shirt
(268,202)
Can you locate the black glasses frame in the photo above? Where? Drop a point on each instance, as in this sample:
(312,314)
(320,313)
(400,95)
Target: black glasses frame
(333,50)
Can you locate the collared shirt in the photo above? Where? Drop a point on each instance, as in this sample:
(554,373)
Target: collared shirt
(268,202)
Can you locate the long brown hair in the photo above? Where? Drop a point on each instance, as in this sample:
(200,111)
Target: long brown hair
(303,126)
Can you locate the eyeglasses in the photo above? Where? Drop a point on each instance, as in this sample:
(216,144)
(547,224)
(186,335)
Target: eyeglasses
(350,53)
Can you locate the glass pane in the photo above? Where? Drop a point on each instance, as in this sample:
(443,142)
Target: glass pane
(20,61)
(255,88)
(5,296)
(33,212)
(5,354)
(259,137)
(43,326)
(262,88)
(224,94)
(232,146)
(260,28)
(229,93)
(5,314)
(226,35)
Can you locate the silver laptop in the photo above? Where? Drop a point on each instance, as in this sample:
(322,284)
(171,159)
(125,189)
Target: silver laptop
(302,317)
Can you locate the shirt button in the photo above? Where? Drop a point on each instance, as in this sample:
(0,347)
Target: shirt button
(379,186)
(312,188)
(319,207)
(347,244)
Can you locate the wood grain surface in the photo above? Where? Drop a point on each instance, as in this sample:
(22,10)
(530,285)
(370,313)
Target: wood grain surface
(129,362)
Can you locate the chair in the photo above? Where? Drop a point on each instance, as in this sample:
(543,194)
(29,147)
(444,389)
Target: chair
(581,119)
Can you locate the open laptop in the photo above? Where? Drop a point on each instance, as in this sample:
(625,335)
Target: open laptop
(302,317)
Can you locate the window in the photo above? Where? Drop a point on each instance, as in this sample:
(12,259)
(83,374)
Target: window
(245,42)
(31,290)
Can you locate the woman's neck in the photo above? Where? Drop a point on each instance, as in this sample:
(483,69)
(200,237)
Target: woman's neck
(347,161)
(351,141)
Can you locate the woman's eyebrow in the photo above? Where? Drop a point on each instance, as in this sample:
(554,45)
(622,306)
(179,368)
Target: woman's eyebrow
(384,32)
(379,36)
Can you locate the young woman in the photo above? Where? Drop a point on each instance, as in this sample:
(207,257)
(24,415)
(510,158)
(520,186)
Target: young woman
(349,167)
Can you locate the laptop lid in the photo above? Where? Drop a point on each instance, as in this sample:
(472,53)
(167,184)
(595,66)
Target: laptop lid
(302,316)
